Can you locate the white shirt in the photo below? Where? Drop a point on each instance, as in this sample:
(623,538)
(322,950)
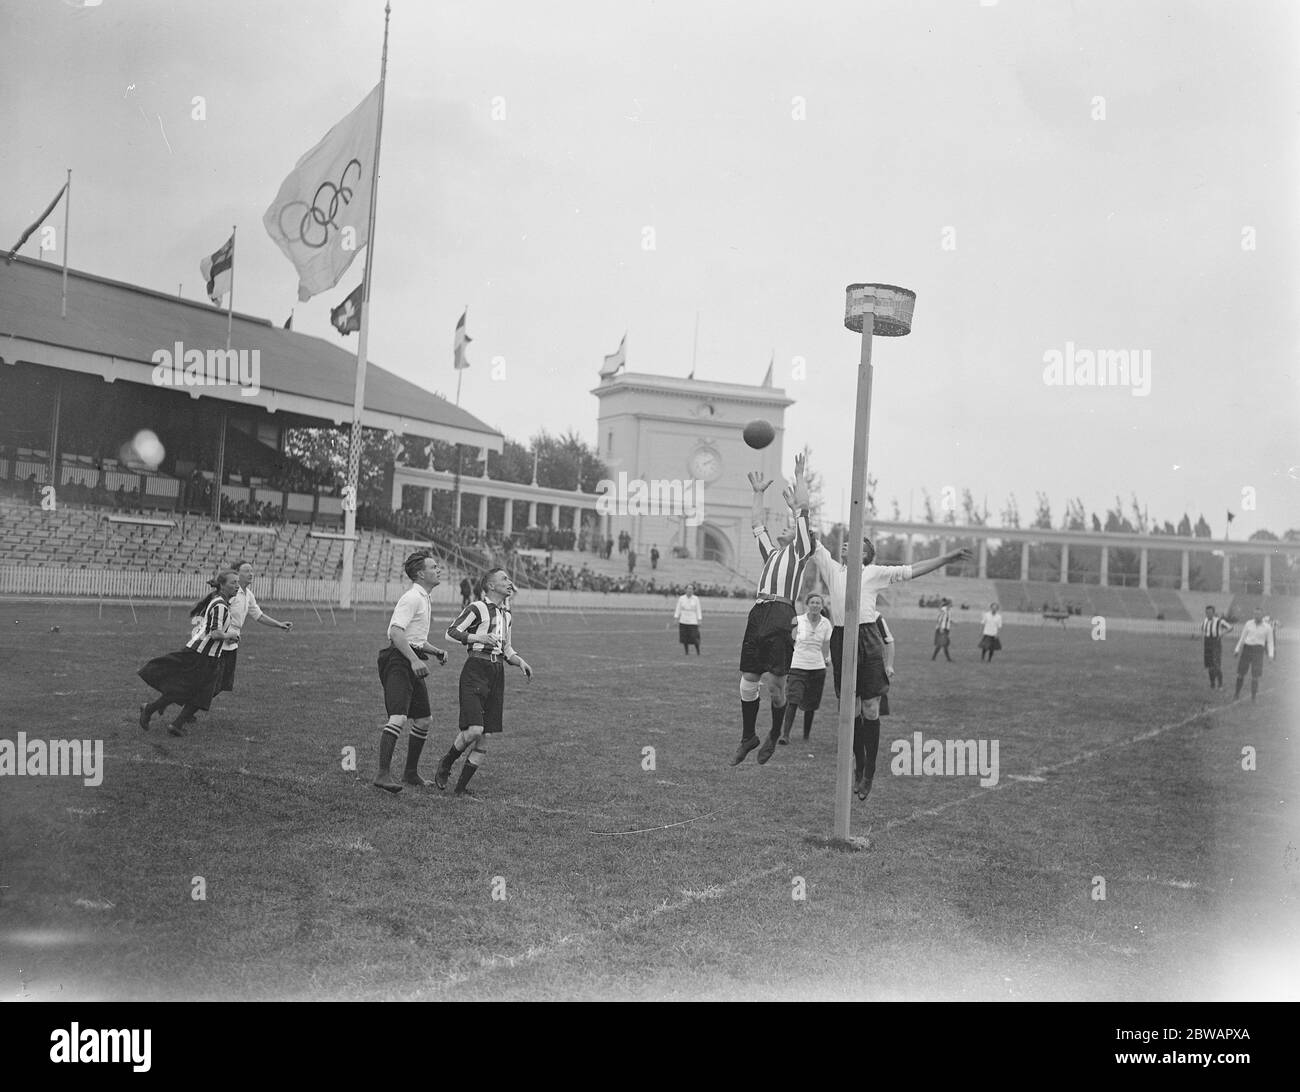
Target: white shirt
(1255,633)
(874,578)
(809,642)
(688,610)
(243,606)
(992,623)
(414,615)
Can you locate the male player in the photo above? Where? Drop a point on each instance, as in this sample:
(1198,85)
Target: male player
(402,672)
(872,682)
(483,628)
(768,644)
(1213,628)
(1255,638)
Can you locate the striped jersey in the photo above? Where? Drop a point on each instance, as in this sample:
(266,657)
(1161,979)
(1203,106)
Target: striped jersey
(1214,628)
(945,619)
(484,616)
(783,566)
(206,638)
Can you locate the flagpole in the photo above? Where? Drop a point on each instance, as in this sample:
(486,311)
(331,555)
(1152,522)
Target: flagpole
(230,306)
(695,348)
(67,211)
(358,401)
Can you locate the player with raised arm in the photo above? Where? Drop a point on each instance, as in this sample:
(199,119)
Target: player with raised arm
(768,644)
(872,681)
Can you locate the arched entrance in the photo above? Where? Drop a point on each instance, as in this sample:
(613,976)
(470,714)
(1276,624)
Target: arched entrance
(714,545)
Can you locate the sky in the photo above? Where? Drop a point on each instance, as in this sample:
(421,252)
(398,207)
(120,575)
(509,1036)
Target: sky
(1108,175)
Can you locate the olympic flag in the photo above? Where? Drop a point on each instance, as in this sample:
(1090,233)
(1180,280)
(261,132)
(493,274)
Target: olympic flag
(320,217)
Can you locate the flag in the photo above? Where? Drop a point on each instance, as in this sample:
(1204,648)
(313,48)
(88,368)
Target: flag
(461,340)
(218,271)
(288,323)
(327,193)
(767,379)
(39,221)
(346,317)
(618,360)
(1231,517)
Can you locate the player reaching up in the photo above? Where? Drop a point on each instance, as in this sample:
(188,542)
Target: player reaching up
(768,644)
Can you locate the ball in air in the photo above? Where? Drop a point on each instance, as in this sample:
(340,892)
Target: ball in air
(759,433)
(148,449)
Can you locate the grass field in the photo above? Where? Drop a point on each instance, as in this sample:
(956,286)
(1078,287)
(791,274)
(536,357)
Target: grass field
(1116,761)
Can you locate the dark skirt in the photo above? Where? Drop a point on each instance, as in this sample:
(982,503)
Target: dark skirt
(941,638)
(184,677)
(688,635)
(872,681)
(990,643)
(226,677)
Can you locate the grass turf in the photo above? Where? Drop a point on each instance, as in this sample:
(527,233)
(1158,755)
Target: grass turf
(1117,763)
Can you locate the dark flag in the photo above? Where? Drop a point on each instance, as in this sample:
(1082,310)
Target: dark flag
(1231,517)
(346,317)
(39,221)
(288,323)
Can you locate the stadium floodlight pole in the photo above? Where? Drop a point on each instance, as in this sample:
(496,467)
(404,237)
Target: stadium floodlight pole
(869,309)
(358,400)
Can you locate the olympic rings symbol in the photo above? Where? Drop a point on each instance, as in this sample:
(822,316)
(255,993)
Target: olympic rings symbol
(313,227)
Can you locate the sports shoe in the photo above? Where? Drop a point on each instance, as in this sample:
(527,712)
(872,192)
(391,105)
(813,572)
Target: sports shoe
(440,777)
(863,788)
(765,751)
(467,792)
(747,744)
(784,741)
(176,729)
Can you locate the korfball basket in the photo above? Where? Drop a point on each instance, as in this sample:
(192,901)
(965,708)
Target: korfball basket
(892,308)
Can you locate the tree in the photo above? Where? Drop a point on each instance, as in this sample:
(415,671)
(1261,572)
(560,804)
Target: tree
(1075,517)
(970,514)
(816,491)
(1011,513)
(898,515)
(1096,523)
(1202,529)
(1140,521)
(324,451)
(1043,517)
(929,507)
(1185,526)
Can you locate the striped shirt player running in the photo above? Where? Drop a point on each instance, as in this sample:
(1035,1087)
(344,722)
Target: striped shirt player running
(768,644)
(1213,627)
(483,628)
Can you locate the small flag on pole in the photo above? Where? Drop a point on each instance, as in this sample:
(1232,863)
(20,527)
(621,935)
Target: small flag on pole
(346,317)
(218,271)
(1231,517)
(288,323)
(39,221)
(462,340)
(618,360)
(767,379)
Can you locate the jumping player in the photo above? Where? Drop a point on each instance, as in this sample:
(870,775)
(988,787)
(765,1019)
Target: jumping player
(402,672)
(483,628)
(768,644)
(872,682)
(1213,628)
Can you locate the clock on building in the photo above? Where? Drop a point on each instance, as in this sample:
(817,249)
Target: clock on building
(705,463)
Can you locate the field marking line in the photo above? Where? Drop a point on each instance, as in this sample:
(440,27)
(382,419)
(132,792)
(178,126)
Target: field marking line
(637,917)
(666,826)
(1039,771)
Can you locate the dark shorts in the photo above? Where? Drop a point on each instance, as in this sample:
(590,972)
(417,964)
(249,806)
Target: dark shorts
(482,693)
(803,688)
(941,638)
(226,679)
(1214,654)
(184,677)
(990,643)
(768,645)
(404,694)
(872,682)
(688,635)
(1252,659)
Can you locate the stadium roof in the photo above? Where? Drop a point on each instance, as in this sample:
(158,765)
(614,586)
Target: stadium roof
(113,330)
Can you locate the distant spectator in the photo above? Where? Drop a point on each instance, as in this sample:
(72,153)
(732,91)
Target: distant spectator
(466,591)
(654,556)
(631,561)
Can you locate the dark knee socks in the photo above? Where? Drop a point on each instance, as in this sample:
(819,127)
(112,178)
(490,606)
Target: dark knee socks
(748,718)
